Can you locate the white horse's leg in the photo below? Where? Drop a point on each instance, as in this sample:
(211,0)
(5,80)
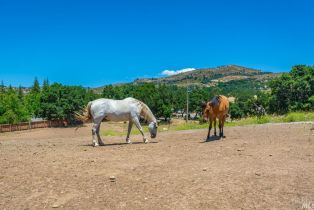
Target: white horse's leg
(129,131)
(138,125)
(94,133)
(101,143)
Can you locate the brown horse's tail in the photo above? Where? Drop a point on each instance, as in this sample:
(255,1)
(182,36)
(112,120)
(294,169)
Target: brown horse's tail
(86,115)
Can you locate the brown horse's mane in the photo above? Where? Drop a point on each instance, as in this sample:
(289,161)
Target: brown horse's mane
(215,100)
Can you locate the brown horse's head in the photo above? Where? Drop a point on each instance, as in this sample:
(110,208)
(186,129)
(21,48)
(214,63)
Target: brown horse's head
(206,108)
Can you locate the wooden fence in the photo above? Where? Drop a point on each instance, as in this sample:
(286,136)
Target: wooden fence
(32,125)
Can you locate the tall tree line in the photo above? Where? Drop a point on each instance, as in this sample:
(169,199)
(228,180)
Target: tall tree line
(293,91)
(162,99)
(51,102)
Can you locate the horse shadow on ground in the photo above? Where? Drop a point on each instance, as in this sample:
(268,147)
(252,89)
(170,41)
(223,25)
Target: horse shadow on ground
(212,138)
(118,144)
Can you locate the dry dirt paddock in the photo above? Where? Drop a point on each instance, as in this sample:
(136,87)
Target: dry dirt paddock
(255,167)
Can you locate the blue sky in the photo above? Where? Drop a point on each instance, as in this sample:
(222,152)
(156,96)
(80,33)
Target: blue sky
(92,43)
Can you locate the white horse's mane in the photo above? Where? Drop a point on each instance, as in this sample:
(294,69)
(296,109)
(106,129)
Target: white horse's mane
(146,113)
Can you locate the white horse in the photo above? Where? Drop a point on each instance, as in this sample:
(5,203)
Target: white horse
(128,109)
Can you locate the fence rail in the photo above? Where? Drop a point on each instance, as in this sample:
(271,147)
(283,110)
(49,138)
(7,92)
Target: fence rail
(32,125)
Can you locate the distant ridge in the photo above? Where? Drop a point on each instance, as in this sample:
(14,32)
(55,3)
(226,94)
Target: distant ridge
(212,76)
(208,77)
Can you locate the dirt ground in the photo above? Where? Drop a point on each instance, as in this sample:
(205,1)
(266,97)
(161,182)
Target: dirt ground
(254,167)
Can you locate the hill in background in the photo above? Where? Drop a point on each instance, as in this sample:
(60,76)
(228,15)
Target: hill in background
(212,76)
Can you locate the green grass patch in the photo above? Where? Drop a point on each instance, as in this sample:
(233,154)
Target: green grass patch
(299,116)
(263,119)
(124,129)
(290,117)
(189,126)
(108,132)
(241,122)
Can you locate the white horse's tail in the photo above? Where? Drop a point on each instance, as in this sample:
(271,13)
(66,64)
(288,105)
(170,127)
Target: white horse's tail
(86,115)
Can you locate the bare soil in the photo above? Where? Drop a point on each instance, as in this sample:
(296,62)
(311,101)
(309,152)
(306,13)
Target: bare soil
(254,167)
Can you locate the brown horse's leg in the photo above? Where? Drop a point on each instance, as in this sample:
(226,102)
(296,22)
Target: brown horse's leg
(223,124)
(209,127)
(220,127)
(215,127)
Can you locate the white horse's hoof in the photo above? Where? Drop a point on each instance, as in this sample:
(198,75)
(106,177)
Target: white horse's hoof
(145,141)
(128,141)
(95,145)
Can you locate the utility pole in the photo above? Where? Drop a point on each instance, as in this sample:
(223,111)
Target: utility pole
(187,104)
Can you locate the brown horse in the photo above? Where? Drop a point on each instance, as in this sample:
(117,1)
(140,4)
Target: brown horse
(218,107)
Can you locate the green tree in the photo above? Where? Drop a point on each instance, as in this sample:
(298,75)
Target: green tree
(32,99)
(235,111)
(36,87)
(45,85)
(59,102)
(2,87)
(20,93)
(292,91)
(11,108)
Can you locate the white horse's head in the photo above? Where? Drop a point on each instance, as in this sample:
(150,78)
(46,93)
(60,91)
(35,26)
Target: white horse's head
(152,127)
